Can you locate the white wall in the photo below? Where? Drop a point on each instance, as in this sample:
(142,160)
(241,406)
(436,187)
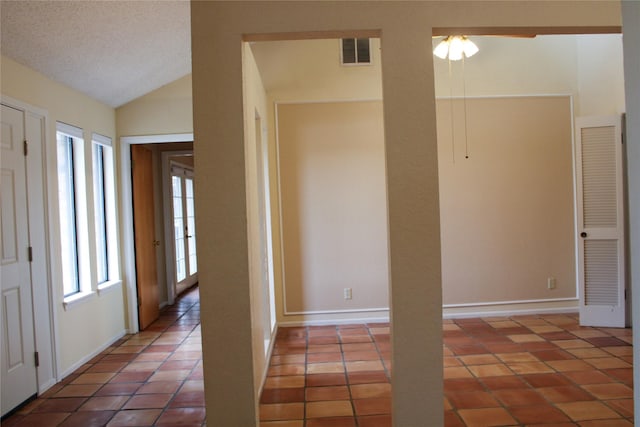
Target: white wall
(511,66)
(600,75)
(255,102)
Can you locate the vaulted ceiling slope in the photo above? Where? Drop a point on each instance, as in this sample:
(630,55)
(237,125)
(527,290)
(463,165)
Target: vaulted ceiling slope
(113,51)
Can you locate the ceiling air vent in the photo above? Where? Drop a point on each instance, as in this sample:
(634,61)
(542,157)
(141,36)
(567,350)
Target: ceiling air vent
(356,51)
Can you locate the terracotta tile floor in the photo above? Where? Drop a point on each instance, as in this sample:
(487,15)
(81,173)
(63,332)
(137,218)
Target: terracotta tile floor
(151,378)
(523,370)
(529,370)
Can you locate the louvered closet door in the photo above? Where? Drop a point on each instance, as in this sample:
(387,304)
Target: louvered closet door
(600,221)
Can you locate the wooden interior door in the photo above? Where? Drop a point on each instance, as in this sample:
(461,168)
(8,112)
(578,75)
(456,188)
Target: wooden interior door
(145,241)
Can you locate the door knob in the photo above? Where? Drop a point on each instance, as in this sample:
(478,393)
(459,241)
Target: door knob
(156,243)
(583,234)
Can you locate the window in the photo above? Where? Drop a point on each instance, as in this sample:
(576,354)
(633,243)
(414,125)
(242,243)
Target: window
(105,226)
(70,142)
(102,254)
(86,267)
(356,51)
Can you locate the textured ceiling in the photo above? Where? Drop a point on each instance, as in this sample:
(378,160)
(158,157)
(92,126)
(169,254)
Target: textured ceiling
(113,51)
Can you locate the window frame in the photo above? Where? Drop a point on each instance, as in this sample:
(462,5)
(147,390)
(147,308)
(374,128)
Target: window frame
(70,142)
(109,229)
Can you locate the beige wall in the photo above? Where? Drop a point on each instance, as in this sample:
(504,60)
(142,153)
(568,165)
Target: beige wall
(333,201)
(167,110)
(310,70)
(506,212)
(86,328)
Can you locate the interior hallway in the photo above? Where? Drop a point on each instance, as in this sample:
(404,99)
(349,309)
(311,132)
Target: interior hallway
(523,370)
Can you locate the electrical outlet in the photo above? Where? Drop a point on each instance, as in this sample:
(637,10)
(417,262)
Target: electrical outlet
(347,293)
(551,283)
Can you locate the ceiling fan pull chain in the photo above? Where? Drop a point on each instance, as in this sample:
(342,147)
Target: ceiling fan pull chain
(453,143)
(464,98)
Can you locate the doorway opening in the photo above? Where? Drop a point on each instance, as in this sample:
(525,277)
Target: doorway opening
(184,255)
(155,214)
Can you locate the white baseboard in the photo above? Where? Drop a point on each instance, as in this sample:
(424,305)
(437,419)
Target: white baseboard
(460,311)
(335,321)
(267,359)
(46,386)
(510,308)
(90,356)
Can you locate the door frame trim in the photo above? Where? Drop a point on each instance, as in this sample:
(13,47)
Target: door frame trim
(128,242)
(46,338)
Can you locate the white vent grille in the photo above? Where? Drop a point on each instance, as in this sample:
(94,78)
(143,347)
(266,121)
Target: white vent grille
(601,272)
(599,176)
(356,51)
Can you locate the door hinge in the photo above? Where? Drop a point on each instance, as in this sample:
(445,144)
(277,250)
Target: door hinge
(25,147)
(30,250)
(36,357)
(625,294)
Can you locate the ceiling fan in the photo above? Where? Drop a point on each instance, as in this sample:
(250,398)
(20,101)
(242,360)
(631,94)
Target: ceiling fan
(457,47)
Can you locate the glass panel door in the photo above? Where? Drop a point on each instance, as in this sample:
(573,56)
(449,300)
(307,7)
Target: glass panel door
(184,225)
(191,227)
(178,226)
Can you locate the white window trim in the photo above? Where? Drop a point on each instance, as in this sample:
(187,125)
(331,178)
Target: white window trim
(113,248)
(72,131)
(101,139)
(77,299)
(83,196)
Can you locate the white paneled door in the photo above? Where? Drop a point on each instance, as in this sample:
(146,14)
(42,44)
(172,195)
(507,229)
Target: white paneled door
(601,262)
(16,315)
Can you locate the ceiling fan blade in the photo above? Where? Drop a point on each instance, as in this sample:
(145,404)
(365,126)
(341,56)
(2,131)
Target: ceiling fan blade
(516,36)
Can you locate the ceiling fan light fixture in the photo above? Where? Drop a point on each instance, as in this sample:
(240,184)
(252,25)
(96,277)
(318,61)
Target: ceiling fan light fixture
(442,50)
(469,48)
(455,47)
